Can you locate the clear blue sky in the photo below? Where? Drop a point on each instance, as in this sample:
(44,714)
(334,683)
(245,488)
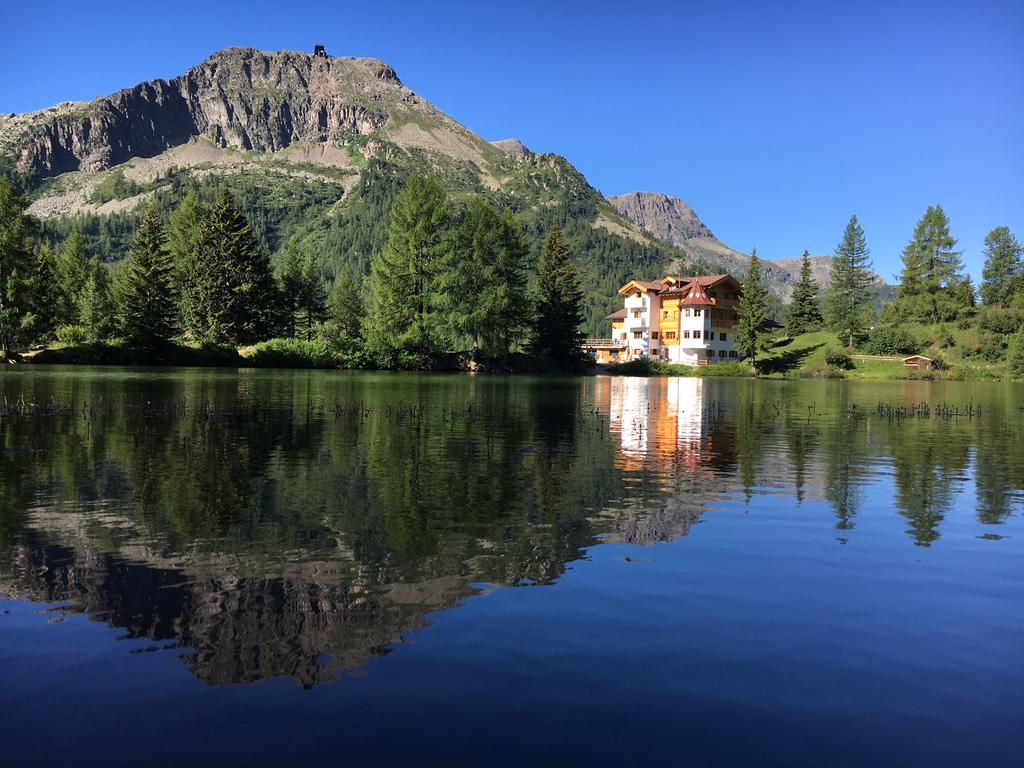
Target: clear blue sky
(776,121)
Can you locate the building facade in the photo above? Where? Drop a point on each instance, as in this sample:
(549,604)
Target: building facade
(686,320)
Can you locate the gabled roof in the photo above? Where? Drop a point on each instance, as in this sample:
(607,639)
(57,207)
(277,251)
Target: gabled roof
(620,314)
(696,296)
(641,285)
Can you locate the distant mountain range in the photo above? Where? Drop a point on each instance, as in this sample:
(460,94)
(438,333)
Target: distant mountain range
(314,149)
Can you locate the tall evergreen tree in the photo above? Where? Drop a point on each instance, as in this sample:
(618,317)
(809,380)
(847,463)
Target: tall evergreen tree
(312,298)
(16,230)
(1003,271)
(803,309)
(559,307)
(407,312)
(96,310)
(508,293)
(847,304)
(931,268)
(345,306)
(45,295)
(230,295)
(73,270)
(290,278)
(751,337)
(148,301)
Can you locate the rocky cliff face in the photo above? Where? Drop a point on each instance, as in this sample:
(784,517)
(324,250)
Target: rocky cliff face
(667,218)
(240,97)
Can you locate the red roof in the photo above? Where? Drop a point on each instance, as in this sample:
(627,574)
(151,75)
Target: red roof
(617,315)
(697,296)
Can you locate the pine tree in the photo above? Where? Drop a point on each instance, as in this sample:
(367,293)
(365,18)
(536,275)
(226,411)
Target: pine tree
(148,297)
(559,306)
(73,268)
(312,297)
(803,309)
(847,302)
(230,295)
(1003,270)
(291,289)
(508,292)
(97,314)
(930,269)
(753,312)
(16,230)
(407,312)
(345,306)
(44,294)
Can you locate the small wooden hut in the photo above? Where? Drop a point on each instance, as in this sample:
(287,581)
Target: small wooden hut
(918,363)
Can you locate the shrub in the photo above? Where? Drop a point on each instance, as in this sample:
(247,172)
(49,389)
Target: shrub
(891,340)
(1017,354)
(822,372)
(837,358)
(989,347)
(1001,320)
(72,335)
(290,353)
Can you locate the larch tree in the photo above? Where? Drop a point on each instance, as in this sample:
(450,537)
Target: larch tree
(97,313)
(345,306)
(408,308)
(290,278)
(931,283)
(1003,271)
(312,297)
(16,230)
(73,270)
(804,312)
(230,295)
(148,295)
(45,294)
(559,306)
(751,337)
(847,303)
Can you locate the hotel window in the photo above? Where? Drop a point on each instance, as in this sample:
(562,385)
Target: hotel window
(636,313)
(721,337)
(696,313)
(670,334)
(686,334)
(687,313)
(732,353)
(721,353)
(664,315)
(696,334)
(711,353)
(638,334)
(654,334)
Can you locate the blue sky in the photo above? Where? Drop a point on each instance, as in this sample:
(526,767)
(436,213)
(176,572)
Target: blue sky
(776,121)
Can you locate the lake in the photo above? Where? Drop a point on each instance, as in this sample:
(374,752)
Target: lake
(272,567)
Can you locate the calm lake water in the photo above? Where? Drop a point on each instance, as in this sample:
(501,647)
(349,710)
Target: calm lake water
(268,567)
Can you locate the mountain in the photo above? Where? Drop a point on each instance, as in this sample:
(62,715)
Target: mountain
(314,149)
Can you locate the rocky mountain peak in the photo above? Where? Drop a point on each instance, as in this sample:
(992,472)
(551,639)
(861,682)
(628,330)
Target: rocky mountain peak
(667,218)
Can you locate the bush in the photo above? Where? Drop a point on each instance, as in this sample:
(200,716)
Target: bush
(290,353)
(989,347)
(1017,354)
(890,340)
(822,372)
(72,335)
(1002,321)
(837,358)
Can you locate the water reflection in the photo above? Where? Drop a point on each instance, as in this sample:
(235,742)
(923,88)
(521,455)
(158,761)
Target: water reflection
(297,524)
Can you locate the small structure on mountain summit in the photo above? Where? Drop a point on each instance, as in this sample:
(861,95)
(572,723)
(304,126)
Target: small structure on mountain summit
(319,50)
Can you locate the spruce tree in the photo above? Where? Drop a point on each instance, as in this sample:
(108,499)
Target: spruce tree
(291,289)
(751,337)
(1003,271)
(73,269)
(44,294)
(230,295)
(148,296)
(931,268)
(468,272)
(96,310)
(847,304)
(508,291)
(312,297)
(345,306)
(559,306)
(408,304)
(803,309)
(16,230)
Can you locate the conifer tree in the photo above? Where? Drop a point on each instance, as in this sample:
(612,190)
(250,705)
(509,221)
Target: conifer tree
(1003,271)
(803,309)
(407,312)
(44,293)
(751,337)
(312,298)
(148,300)
(291,289)
(230,295)
(96,311)
(345,306)
(508,292)
(847,302)
(559,306)
(73,269)
(1016,354)
(931,268)
(16,230)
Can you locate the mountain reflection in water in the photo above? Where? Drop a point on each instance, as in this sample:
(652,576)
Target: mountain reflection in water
(300,523)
